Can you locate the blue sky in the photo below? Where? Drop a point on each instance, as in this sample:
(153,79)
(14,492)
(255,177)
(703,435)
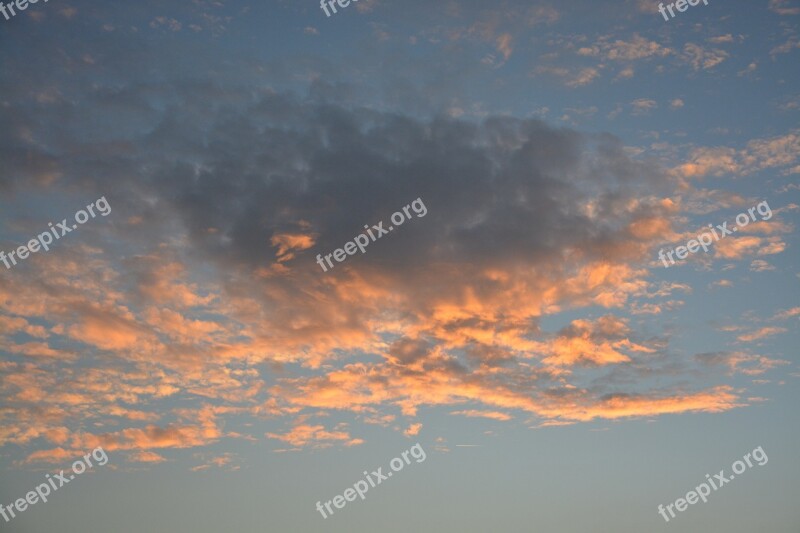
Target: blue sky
(523,331)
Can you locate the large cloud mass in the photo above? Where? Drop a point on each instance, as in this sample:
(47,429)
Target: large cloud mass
(203,284)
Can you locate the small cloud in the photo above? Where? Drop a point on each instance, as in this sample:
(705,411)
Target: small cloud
(553,423)
(570,112)
(412,430)
(171,24)
(310,30)
(287,243)
(759,265)
(789,313)
(784,7)
(473,413)
(625,73)
(721,283)
(676,103)
(701,58)
(584,77)
(455,112)
(380,32)
(56,455)
(68,12)
(145,457)
(441,445)
(760,334)
(749,70)
(220,461)
(504,45)
(642,106)
(740,362)
(638,48)
(542,15)
(317,436)
(571,79)
(727,38)
(790,104)
(786,47)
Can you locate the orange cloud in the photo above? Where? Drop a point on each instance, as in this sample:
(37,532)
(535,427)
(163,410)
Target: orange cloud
(56,455)
(145,457)
(412,430)
(317,436)
(473,413)
(760,334)
(616,406)
(289,242)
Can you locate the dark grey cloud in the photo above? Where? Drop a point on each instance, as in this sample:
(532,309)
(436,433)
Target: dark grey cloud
(252,165)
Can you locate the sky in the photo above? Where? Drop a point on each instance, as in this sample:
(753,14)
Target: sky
(529,329)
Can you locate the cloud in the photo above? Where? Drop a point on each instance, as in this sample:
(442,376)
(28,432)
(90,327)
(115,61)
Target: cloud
(721,283)
(727,38)
(701,58)
(792,43)
(68,12)
(542,15)
(773,152)
(758,154)
(760,334)
(595,343)
(759,265)
(10,325)
(412,430)
(287,242)
(642,106)
(145,457)
(571,78)
(625,73)
(56,455)
(504,45)
(474,413)
(788,313)
(615,406)
(220,461)
(749,70)
(178,314)
(637,48)
(317,436)
(107,330)
(740,362)
(171,24)
(784,7)
(742,246)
